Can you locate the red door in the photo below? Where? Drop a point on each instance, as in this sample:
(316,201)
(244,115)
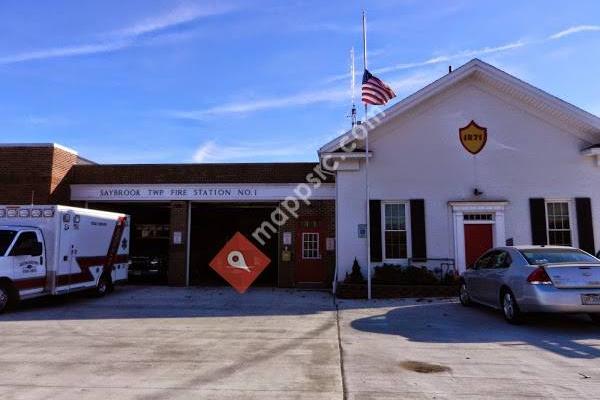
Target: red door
(310,250)
(478,239)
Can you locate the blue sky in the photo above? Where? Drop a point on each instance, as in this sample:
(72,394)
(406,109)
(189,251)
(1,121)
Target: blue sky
(140,81)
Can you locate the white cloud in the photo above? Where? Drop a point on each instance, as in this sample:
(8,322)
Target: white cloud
(299,99)
(211,152)
(68,51)
(441,59)
(575,29)
(332,95)
(185,13)
(122,38)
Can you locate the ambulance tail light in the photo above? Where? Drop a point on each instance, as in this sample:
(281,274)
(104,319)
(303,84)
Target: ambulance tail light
(12,212)
(36,213)
(24,213)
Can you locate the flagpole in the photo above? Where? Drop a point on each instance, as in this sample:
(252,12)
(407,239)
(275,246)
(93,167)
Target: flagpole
(364,31)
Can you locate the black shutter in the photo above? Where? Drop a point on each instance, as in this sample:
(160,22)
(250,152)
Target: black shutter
(585,228)
(375,229)
(537,210)
(417,227)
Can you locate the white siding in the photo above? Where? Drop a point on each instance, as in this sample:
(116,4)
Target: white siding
(420,156)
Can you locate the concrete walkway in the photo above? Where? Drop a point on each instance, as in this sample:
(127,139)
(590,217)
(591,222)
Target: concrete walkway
(408,349)
(211,343)
(157,343)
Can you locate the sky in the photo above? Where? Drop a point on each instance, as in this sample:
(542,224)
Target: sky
(183,81)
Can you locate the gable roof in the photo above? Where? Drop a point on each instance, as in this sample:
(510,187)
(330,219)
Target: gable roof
(581,122)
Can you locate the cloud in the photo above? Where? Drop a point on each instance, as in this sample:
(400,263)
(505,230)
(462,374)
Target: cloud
(331,95)
(299,99)
(68,51)
(574,29)
(123,38)
(183,14)
(47,120)
(211,152)
(441,59)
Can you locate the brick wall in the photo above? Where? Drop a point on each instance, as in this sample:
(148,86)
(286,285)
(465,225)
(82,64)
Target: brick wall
(62,163)
(24,170)
(323,212)
(178,252)
(36,170)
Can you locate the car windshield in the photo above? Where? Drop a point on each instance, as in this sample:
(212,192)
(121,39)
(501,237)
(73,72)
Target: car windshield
(6,238)
(557,256)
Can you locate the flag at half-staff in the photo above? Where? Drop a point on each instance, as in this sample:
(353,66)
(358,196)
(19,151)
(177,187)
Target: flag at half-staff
(375,91)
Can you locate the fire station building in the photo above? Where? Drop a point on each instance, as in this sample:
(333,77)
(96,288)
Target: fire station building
(474,160)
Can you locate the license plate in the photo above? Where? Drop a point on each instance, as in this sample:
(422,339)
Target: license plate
(136,272)
(590,299)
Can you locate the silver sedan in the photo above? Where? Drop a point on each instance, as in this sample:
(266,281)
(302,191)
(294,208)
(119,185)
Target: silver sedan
(524,279)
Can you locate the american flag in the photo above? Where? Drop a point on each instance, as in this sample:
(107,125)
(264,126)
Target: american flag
(375,91)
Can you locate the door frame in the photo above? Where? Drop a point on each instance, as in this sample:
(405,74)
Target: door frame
(310,262)
(459,209)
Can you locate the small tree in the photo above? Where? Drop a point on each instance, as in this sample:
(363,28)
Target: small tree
(356,275)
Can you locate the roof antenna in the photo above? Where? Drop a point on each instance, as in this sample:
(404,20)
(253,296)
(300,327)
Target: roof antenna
(352,85)
(32,196)
(449,69)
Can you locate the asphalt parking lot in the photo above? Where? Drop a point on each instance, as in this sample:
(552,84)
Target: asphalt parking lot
(157,342)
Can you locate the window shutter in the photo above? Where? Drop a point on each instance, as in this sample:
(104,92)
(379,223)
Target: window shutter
(375,229)
(417,227)
(537,210)
(585,228)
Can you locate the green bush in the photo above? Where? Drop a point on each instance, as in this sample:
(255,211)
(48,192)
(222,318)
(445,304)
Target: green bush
(397,275)
(355,276)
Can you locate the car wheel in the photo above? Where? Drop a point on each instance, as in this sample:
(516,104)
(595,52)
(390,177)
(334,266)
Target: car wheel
(595,318)
(103,286)
(463,295)
(510,308)
(8,297)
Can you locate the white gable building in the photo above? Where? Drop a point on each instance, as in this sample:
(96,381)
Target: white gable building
(524,169)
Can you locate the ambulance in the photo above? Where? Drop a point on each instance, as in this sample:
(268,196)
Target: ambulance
(53,250)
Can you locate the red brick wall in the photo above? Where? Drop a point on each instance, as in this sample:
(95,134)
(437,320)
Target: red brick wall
(322,211)
(37,169)
(24,170)
(178,252)
(62,162)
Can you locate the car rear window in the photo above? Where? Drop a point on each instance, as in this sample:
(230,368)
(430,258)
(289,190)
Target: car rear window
(6,238)
(557,256)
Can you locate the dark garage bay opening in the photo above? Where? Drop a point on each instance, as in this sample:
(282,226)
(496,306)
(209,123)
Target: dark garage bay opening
(149,239)
(213,224)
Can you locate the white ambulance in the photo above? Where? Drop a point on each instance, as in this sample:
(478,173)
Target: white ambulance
(52,250)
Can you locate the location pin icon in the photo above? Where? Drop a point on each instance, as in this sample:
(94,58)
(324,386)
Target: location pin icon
(235,259)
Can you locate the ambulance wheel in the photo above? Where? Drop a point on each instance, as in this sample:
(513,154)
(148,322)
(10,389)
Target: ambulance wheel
(104,285)
(8,297)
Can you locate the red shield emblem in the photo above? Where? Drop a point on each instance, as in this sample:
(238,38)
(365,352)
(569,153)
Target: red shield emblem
(239,262)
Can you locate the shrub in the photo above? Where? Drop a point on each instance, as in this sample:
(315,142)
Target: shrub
(356,275)
(398,275)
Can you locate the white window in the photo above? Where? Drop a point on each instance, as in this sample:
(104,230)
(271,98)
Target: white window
(395,232)
(558,223)
(310,245)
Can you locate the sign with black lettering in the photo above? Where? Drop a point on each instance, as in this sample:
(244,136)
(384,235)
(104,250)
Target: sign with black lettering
(473,137)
